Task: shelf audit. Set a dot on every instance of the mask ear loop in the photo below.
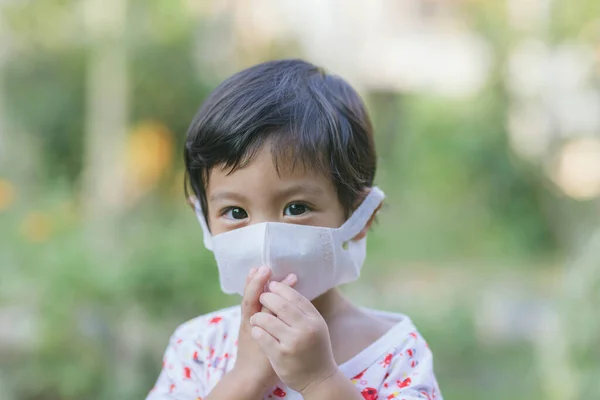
(361, 216)
(203, 224)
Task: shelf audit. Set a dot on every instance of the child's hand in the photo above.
(296, 338)
(251, 364)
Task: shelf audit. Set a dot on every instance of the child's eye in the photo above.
(295, 209)
(235, 213)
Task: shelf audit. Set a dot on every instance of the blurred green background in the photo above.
(487, 117)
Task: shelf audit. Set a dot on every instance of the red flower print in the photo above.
(410, 353)
(187, 373)
(404, 383)
(196, 358)
(370, 393)
(414, 363)
(386, 361)
(179, 341)
(385, 384)
(279, 392)
(215, 320)
(391, 396)
(171, 388)
(426, 395)
(413, 334)
(359, 375)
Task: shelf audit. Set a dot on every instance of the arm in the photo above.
(182, 377)
(338, 386)
(233, 386)
(296, 340)
(178, 379)
(237, 386)
(252, 374)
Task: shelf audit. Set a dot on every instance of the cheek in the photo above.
(216, 226)
(336, 217)
(341, 219)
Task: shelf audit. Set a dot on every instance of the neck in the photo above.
(331, 303)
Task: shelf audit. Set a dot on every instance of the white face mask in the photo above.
(321, 258)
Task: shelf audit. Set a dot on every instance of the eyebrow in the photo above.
(288, 192)
(227, 196)
(302, 188)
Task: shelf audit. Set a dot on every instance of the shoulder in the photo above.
(222, 324)
(402, 338)
(406, 364)
(398, 327)
(199, 352)
(405, 337)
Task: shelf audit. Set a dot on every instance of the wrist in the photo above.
(330, 383)
(250, 382)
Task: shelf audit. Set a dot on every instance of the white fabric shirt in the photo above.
(398, 365)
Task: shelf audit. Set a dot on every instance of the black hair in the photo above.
(309, 116)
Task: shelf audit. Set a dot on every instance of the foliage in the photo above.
(459, 203)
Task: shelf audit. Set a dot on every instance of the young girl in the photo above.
(281, 161)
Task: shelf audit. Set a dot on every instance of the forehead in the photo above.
(266, 170)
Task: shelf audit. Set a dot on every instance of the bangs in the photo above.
(288, 151)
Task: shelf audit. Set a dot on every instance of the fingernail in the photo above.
(252, 272)
(289, 279)
(262, 271)
(271, 284)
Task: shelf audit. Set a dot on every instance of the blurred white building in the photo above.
(402, 45)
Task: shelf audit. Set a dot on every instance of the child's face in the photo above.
(257, 193)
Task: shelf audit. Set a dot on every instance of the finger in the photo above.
(250, 275)
(286, 311)
(293, 297)
(272, 325)
(267, 343)
(254, 288)
(289, 280)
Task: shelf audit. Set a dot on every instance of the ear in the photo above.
(191, 200)
(365, 230)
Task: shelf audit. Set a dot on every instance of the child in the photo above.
(281, 161)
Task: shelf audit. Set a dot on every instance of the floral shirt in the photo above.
(398, 365)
